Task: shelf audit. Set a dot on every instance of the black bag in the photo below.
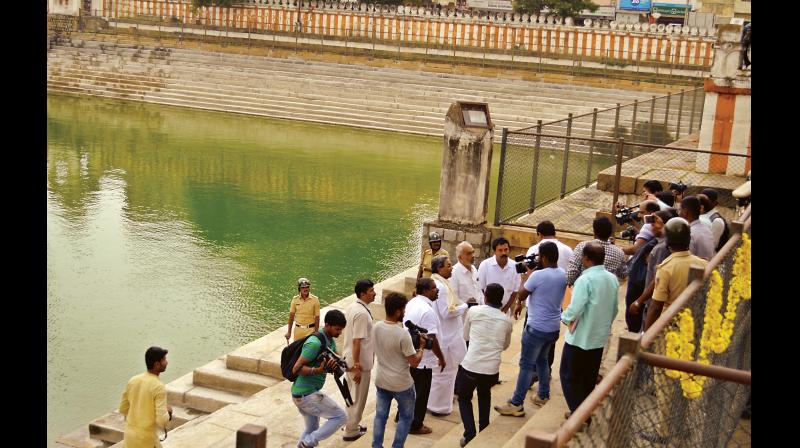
(292, 352)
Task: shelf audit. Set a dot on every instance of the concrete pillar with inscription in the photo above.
(464, 182)
(726, 122)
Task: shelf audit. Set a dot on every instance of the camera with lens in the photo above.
(680, 187)
(627, 214)
(414, 331)
(629, 233)
(525, 262)
(340, 365)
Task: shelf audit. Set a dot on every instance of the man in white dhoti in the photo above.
(451, 338)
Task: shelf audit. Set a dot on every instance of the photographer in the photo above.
(645, 234)
(395, 353)
(419, 311)
(306, 389)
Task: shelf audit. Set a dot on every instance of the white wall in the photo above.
(67, 7)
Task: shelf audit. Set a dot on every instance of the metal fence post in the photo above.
(652, 116)
(499, 197)
(591, 147)
(680, 112)
(566, 157)
(535, 174)
(633, 120)
(666, 114)
(618, 174)
(694, 108)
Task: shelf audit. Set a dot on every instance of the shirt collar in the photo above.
(424, 299)
(493, 261)
(683, 253)
(461, 268)
(596, 267)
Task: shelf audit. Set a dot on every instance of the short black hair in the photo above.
(394, 301)
(549, 250)
(667, 214)
(362, 286)
(651, 206)
(437, 263)
(494, 294)
(692, 204)
(153, 355)
(424, 284)
(498, 241)
(711, 193)
(546, 228)
(704, 202)
(653, 186)
(335, 318)
(595, 252)
(602, 228)
(666, 197)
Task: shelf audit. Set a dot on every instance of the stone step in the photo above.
(209, 400)
(80, 438)
(215, 375)
(111, 427)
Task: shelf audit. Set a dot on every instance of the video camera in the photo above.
(414, 331)
(525, 262)
(627, 214)
(339, 369)
(680, 187)
(629, 234)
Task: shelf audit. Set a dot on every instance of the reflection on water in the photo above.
(188, 229)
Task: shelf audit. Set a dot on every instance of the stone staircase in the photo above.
(370, 97)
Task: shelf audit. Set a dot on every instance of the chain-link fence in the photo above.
(686, 381)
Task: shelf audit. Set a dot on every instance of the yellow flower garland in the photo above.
(717, 328)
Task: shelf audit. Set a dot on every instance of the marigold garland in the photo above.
(717, 327)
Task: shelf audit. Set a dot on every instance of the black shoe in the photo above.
(355, 437)
(652, 437)
(463, 442)
(440, 414)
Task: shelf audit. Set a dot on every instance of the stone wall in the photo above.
(436, 27)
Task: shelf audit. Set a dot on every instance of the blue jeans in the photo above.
(532, 361)
(405, 410)
(314, 406)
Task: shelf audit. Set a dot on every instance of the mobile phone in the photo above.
(649, 219)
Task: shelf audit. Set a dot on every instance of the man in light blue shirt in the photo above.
(589, 316)
(546, 287)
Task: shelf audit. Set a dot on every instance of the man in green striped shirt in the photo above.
(589, 316)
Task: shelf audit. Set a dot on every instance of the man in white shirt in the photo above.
(489, 333)
(719, 227)
(449, 309)
(498, 269)
(419, 311)
(546, 232)
(464, 279)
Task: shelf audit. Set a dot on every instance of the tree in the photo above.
(563, 8)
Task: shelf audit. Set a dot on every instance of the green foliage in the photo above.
(563, 8)
(199, 3)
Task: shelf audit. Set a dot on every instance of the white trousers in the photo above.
(443, 383)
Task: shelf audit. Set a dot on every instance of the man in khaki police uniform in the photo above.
(435, 240)
(303, 312)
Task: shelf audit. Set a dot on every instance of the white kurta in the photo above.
(451, 341)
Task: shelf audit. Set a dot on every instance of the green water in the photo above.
(188, 229)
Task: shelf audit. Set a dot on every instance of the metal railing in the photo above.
(689, 396)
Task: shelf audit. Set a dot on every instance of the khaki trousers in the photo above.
(359, 394)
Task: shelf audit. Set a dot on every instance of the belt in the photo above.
(304, 325)
(301, 395)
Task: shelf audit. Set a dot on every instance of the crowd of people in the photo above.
(447, 339)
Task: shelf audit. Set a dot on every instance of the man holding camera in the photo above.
(489, 331)
(450, 310)
(645, 233)
(359, 354)
(497, 269)
(144, 403)
(420, 312)
(395, 354)
(544, 289)
(306, 389)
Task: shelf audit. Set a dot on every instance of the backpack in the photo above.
(291, 353)
(725, 232)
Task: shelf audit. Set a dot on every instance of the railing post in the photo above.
(694, 108)
(566, 157)
(680, 112)
(535, 175)
(652, 116)
(620, 148)
(251, 436)
(666, 114)
(591, 148)
(499, 197)
(633, 119)
(539, 439)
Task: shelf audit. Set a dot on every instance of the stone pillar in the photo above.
(726, 125)
(464, 184)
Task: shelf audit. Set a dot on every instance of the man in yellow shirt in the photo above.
(435, 241)
(303, 312)
(144, 403)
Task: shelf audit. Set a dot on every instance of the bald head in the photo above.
(465, 253)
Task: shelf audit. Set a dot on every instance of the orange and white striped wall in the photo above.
(566, 41)
(726, 128)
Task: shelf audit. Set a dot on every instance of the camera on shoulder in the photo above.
(414, 331)
(525, 262)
